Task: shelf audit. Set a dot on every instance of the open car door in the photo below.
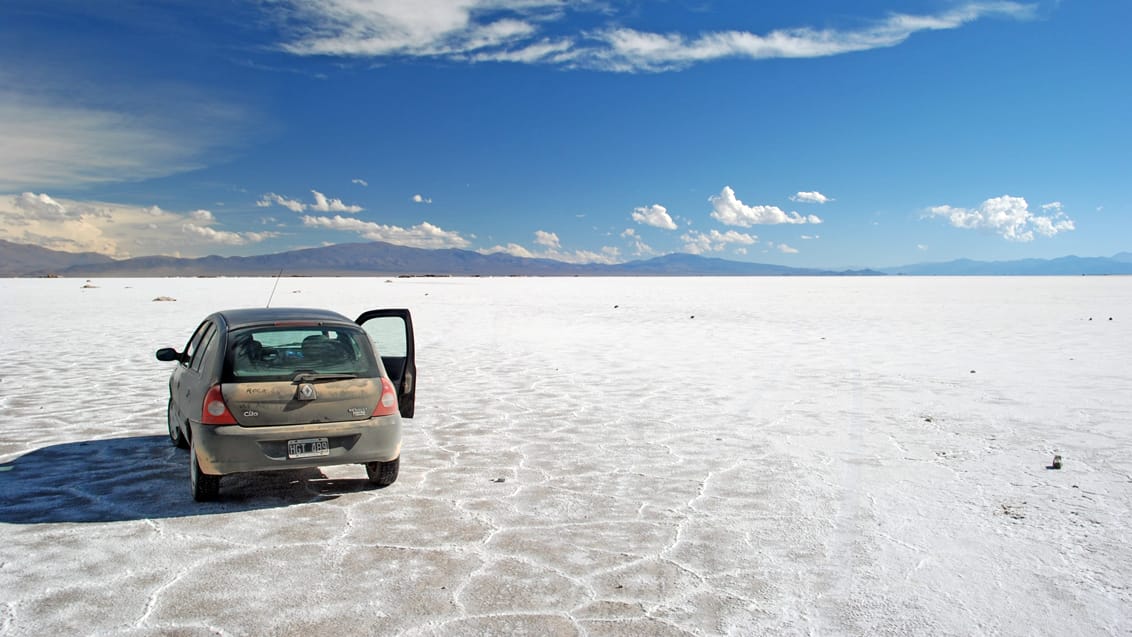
(392, 333)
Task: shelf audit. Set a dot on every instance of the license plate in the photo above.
(308, 448)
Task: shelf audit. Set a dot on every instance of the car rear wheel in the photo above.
(175, 435)
(383, 474)
(205, 487)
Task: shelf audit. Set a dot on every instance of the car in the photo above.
(264, 389)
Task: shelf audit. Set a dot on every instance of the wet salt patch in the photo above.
(775, 450)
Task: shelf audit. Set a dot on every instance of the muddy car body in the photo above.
(289, 388)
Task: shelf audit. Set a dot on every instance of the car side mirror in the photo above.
(168, 354)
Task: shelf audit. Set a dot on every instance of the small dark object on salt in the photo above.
(499, 480)
(1056, 463)
(692, 316)
(616, 306)
(972, 371)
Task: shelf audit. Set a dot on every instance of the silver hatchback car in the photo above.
(288, 388)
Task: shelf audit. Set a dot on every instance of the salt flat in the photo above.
(744, 456)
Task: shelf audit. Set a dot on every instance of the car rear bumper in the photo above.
(224, 449)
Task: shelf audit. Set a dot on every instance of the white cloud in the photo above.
(921, 247)
(715, 241)
(519, 31)
(655, 215)
(116, 230)
(42, 206)
(547, 239)
(290, 204)
(61, 136)
(732, 212)
(640, 248)
(1009, 217)
(422, 235)
(512, 249)
(360, 182)
(785, 249)
(321, 203)
(429, 28)
(225, 237)
(810, 197)
(631, 50)
(810, 237)
(421, 199)
(552, 249)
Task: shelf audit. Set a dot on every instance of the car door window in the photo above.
(391, 331)
(388, 335)
(207, 340)
(194, 343)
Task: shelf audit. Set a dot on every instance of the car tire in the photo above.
(206, 487)
(383, 474)
(175, 435)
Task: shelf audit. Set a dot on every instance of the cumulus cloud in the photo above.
(41, 206)
(421, 199)
(512, 249)
(812, 196)
(225, 237)
(1009, 217)
(422, 235)
(697, 242)
(361, 182)
(116, 230)
(640, 248)
(548, 239)
(785, 249)
(322, 203)
(655, 215)
(537, 32)
(729, 210)
(551, 248)
(290, 204)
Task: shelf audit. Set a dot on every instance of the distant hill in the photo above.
(1064, 266)
(385, 259)
(18, 259)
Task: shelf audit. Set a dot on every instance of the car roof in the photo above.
(259, 315)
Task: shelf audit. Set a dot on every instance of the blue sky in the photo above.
(810, 133)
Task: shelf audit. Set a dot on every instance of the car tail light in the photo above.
(215, 411)
(387, 404)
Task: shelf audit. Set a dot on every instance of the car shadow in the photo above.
(140, 478)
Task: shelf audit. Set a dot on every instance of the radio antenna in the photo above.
(274, 286)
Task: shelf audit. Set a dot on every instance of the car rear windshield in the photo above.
(284, 352)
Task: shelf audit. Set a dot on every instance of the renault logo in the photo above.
(306, 392)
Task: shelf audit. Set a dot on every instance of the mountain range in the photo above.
(385, 259)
